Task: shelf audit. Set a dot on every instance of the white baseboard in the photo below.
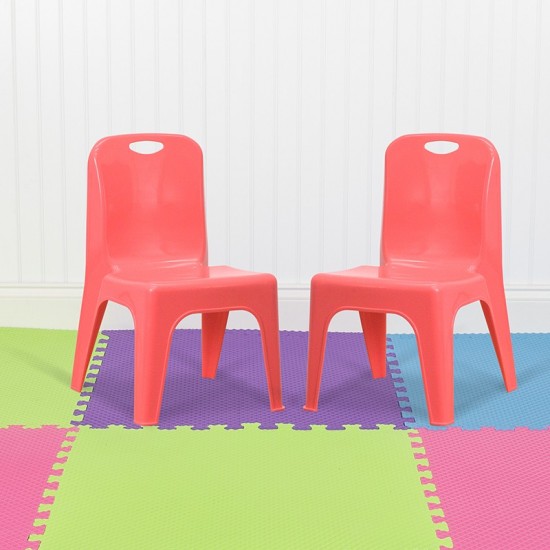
(57, 307)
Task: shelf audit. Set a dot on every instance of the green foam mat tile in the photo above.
(247, 488)
(35, 369)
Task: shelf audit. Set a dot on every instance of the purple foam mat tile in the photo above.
(238, 394)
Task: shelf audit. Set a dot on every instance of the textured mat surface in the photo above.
(27, 457)
(238, 394)
(350, 488)
(480, 397)
(246, 488)
(35, 367)
(493, 485)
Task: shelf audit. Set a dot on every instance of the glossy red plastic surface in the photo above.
(146, 249)
(440, 250)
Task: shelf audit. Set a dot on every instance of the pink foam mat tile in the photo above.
(493, 486)
(30, 465)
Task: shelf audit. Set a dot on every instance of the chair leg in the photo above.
(91, 315)
(268, 319)
(434, 335)
(213, 330)
(374, 333)
(319, 320)
(152, 348)
(496, 316)
(272, 360)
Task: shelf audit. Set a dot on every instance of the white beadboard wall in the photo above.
(293, 103)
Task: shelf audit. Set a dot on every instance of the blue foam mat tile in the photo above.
(480, 397)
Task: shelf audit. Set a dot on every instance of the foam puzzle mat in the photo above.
(221, 471)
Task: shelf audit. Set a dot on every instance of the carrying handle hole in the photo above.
(441, 147)
(146, 147)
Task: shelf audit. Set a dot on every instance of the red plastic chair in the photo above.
(440, 250)
(146, 249)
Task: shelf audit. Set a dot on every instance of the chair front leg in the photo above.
(434, 334)
(496, 316)
(153, 334)
(91, 315)
(319, 319)
(266, 312)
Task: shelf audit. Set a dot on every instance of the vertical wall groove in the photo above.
(109, 69)
(63, 142)
(133, 65)
(86, 71)
(370, 129)
(275, 134)
(466, 77)
(180, 68)
(442, 53)
(534, 145)
(418, 83)
(345, 176)
(204, 89)
(394, 68)
(252, 130)
(204, 84)
(228, 128)
(40, 129)
(508, 256)
(322, 143)
(16, 143)
(299, 135)
(490, 59)
(157, 64)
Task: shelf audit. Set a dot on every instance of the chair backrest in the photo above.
(145, 207)
(442, 207)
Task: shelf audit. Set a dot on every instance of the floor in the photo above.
(221, 471)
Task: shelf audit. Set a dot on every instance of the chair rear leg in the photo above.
(91, 315)
(374, 333)
(213, 330)
(434, 335)
(152, 348)
(496, 316)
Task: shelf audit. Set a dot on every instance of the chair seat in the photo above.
(183, 274)
(394, 276)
